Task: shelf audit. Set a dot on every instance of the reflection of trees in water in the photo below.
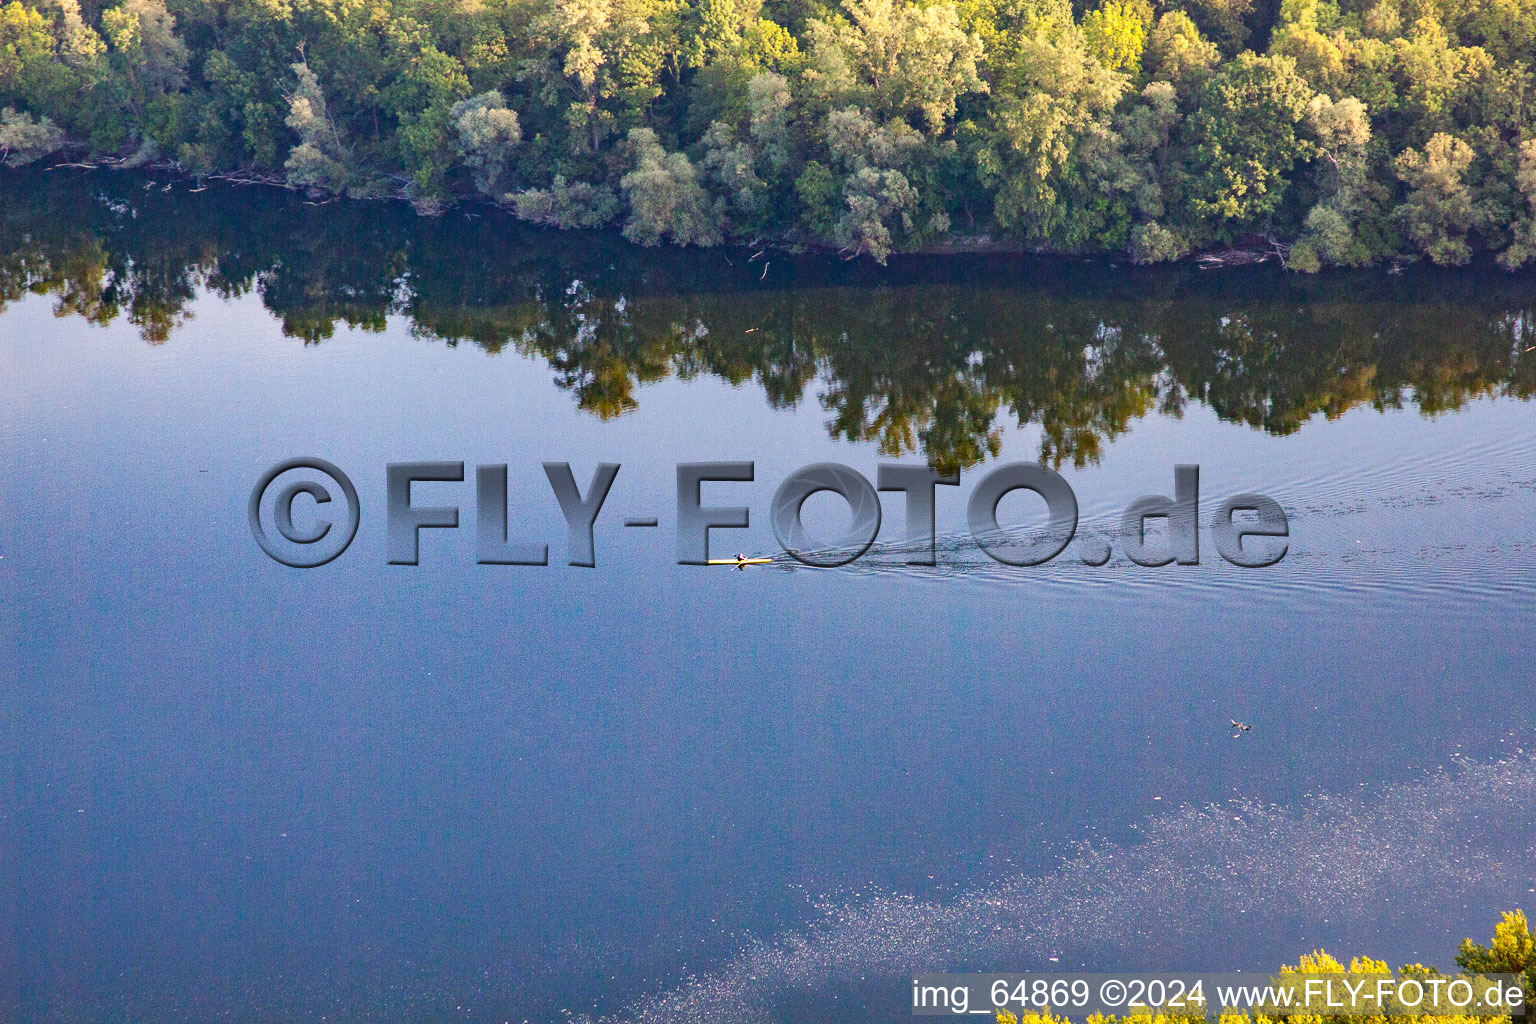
(936, 357)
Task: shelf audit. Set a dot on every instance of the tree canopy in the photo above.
(1337, 132)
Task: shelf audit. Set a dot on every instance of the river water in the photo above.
(643, 791)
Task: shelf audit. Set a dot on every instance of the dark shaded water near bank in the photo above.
(232, 790)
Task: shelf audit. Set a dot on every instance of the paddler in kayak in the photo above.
(740, 562)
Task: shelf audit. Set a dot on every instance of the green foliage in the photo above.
(1153, 243)
(145, 52)
(732, 168)
(1175, 52)
(422, 98)
(816, 196)
(46, 63)
(666, 197)
(575, 204)
(25, 139)
(487, 133)
(896, 59)
(1116, 33)
(1513, 951)
(1225, 21)
(1138, 165)
(1523, 248)
(768, 110)
(238, 121)
(877, 201)
(1243, 141)
(1352, 130)
(1037, 145)
(1341, 133)
(595, 66)
(1438, 81)
(1438, 212)
(321, 159)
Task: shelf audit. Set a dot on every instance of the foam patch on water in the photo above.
(1430, 841)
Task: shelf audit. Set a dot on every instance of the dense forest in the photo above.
(1332, 132)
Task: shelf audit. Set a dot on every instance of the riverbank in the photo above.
(1250, 252)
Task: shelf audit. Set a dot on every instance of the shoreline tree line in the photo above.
(1336, 132)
